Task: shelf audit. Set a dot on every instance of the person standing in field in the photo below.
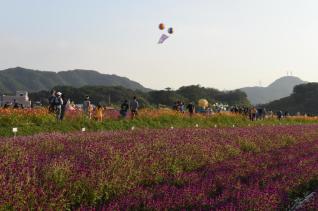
(58, 102)
(124, 107)
(99, 113)
(181, 107)
(134, 105)
(51, 101)
(87, 107)
(191, 108)
(175, 106)
(253, 114)
(63, 106)
(279, 115)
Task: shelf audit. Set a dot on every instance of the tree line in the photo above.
(115, 95)
(303, 100)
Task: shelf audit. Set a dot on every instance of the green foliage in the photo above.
(115, 95)
(98, 94)
(196, 92)
(165, 97)
(58, 174)
(82, 193)
(26, 79)
(248, 146)
(288, 140)
(37, 124)
(6, 207)
(304, 99)
(231, 151)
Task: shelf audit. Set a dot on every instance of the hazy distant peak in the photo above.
(287, 80)
(280, 88)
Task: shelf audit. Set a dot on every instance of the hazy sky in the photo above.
(224, 44)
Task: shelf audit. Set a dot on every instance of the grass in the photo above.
(41, 122)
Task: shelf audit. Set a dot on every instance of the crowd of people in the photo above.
(253, 113)
(58, 105)
(180, 107)
(257, 113)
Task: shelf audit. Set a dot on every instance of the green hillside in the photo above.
(304, 99)
(33, 80)
(116, 94)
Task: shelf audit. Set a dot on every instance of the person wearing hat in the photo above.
(87, 107)
(58, 105)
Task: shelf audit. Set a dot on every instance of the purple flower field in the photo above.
(256, 168)
(250, 182)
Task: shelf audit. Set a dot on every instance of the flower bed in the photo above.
(89, 170)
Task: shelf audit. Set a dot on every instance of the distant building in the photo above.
(21, 97)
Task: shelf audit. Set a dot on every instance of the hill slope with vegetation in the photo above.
(115, 95)
(304, 99)
(19, 78)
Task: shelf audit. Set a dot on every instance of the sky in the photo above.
(224, 44)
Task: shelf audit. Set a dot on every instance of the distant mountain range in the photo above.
(34, 80)
(280, 88)
(19, 78)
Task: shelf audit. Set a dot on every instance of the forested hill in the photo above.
(304, 99)
(115, 95)
(18, 78)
